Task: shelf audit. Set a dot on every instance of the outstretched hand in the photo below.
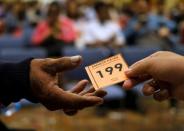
(45, 87)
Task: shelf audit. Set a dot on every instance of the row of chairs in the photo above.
(90, 56)
(131, 54)
(9, 41)
(19, 54)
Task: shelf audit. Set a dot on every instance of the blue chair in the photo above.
(28, 32)
(19, 54)
(133, 54)
(90, 56)
(179, 49)
(114, 93)
(7, 41)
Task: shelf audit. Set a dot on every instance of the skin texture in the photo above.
(165, 72)
(45, 74)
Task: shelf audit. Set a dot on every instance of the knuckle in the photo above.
(37, 62)
(145, 90)
(48, 61)
(63, 62)
(158, 53)
(158, 97)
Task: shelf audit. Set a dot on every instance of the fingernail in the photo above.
(151, 90)
(128, 70)
(127, 84)
(75, 59)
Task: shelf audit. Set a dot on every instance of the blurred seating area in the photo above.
(82, 25)
(94, 29)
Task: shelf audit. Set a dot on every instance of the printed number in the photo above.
(100, 73)
(110, 69)
(118, 66)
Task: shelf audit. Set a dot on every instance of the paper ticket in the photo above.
(107, 72)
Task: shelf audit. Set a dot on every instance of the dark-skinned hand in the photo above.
(45, 86)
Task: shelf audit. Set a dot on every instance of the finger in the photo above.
(148, 90)
(70, 112)
(139, 68)
(130, 83)
(150, 87)
(161, 95)
(54, 66)
(90, 90)
(99, 93)
(79, 87)
(56, 98)
(80, 102)
(156, 88)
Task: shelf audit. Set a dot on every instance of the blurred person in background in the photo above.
(15, 18)
(2, 9)
(177, 12)
(182, 32)
(87, 14)
(54, 32)
(103, 32)
(158, 15)
(72, 10)
(147, 28)
(134, 20)
(33, 13)
(2, 27)
(87, 9)
(127, 22)
(159, 38)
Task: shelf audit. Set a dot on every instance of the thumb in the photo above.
(140, 68)
(54, 66)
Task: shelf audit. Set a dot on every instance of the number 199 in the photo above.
(110, 69)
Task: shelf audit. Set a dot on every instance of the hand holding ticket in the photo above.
(107, 72)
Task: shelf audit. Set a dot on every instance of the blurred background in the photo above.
(94, 29)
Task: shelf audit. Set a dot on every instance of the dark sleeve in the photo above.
(14, 82)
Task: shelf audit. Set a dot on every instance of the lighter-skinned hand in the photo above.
(165, 72)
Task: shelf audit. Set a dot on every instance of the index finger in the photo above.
(130, 83)
(140, 68)
(138, 72)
